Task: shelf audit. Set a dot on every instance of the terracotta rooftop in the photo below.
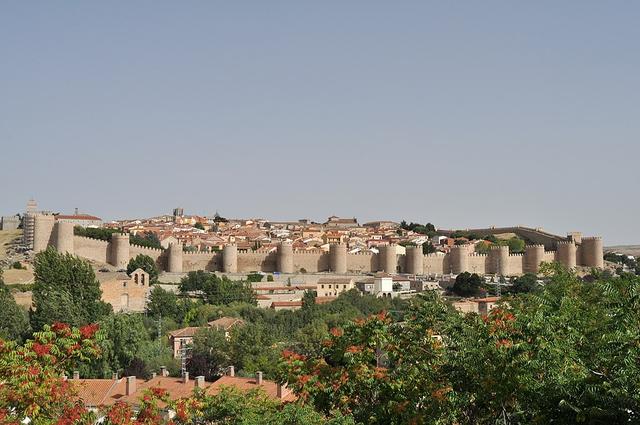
(78, 217)
(184, 332)
(247, 384)
(286, 304)
(96, 392)
(335, 280)
(325, 300)
(486, 300)
(226, 323)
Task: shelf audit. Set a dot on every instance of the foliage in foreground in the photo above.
(566, 354)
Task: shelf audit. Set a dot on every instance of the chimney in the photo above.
(185, 377)
(76, 211)
(259, 378)
(131, 385)
(76, 375)
(164, 371)
(232, 371)
(280, 390)
(114, 376)
(199, 381)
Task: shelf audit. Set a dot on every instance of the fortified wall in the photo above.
(572, 251)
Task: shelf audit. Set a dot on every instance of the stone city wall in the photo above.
(119, 251)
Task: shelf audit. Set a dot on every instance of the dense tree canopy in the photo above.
(566, 354)
(65, 290)
(14, 322)
(467, 285)
(217, 290)
(145, 263)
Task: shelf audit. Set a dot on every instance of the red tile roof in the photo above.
(247, 384)
(78, 217)
(286, 304)
(184, 332)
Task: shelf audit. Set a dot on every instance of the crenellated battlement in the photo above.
(147, 248)
(565, 243)
(367, 253)
(91, 240)
(200, 253)
(588, 252)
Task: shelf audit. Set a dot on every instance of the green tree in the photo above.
(253, 348)
(428, 248)
(146, 239)
(145, 263)
(516, 245)
(163, 303)
(199, 226)
(217, 290)
(254, 277)
(467, 285)
(13, 319)
(120, 339)
(210, 355)
(65, 290)
(528, 282)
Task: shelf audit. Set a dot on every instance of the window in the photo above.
(344, 286)
(329, 286)
(322, 286)
(135, 278)
(142, 279)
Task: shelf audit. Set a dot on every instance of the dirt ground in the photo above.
(624, 249)
(23, 277)
(6, 237)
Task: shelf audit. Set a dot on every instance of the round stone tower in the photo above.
(42, 229)
(64, 237)
(459, 259)
(566, 254)
(174, 261)
(592, 252)
(533, 256)
(338, 258)
(230, 258)
(120, 250)
(285, 257)
(415, 260)
(499, 260)
(388, 258)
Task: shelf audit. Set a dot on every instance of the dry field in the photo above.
(624, 249)
(6, 237)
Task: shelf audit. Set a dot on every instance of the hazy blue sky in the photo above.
(459, 113)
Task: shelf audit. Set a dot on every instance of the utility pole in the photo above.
(499, 283)
(184, 355)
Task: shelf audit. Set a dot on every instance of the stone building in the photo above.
(83, 220)
(333, 286)
(127, 294)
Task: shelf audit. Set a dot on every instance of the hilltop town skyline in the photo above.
(364, 218)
